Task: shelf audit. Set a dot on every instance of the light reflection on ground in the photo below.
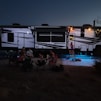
(78, 60)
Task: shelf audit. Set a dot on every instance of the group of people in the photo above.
(23, 54)
(49, 59)
(26, 58)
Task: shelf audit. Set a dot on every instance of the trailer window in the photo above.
(43, 36)
(10, 37)
(58, 37)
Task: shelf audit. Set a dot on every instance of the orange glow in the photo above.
(70, 28)
(89, 29)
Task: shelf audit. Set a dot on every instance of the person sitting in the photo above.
(29, 53)
(41, 61)
(22, 55)
(53, 58)
(48, 58)
(12, 56)
(27, 64)
(54, 64)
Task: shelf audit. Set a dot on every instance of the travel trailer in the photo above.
(37, 37)
(84, 38)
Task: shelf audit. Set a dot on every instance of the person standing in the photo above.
(71, 51)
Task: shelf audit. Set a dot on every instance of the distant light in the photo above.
(89, 29)
(70, 29)
(98, 31)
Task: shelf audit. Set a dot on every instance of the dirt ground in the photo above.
(72, 84)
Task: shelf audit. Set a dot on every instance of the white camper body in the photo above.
(47, 37)
(50, 37)
(37, 37)
(86, 43)
(17, 38)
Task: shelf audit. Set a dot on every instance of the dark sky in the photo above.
(53, 12)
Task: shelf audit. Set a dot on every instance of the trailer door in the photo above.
(21, 40)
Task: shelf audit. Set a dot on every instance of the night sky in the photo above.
(52, 12)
